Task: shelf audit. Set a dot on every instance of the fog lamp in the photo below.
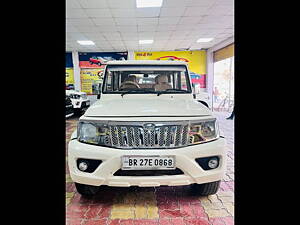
(213, 163)
(83, 166)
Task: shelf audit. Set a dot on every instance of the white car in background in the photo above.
(79, 100)
(147, 130)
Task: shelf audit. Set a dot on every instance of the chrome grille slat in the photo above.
(120, 136)
(136, 137)
(146, 137)
(184, 134)
(169, 135)
(156, 137)
(130, 136)
(114, 138)
(161, 137)
(178, 135)
(173, 133)
(152, 138)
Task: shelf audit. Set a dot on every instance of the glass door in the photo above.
(223, 90)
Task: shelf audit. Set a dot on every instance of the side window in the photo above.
(183, 81)
(116, 76)
(171, 80)
(108, 81)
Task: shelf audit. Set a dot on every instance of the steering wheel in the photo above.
(130, 83)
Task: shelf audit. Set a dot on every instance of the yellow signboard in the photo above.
(196, 59)
(69, 76)
(90, 77)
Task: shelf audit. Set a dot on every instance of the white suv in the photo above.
(147, 130)
(79, 100)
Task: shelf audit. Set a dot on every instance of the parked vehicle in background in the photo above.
(79, 100)
(101, 60)
(147, 133)
(69, 107)
(95, 60)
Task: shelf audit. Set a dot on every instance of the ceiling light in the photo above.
(142, 42)
(204, 39)
(148, 3)
(86, 42)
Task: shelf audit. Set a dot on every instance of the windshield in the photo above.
(146, 79)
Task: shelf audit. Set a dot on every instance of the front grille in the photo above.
(148, 172)
(149, 135)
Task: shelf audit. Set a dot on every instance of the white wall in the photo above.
(210, 64)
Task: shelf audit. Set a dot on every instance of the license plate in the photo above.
(148, 162)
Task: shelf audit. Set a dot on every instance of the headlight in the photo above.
(93, 133)
(203, 131)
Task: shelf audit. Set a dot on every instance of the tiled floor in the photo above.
(160, 205)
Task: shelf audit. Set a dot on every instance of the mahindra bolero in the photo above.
(147, 130)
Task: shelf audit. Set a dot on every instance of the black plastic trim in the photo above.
(121, 172)
(203, 162)
(92, 164)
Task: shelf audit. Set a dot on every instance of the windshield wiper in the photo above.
(167, 91)
(143, 91)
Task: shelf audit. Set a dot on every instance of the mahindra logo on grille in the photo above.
(149, 126)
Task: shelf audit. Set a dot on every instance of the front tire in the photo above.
(207, 188)
(86, 190)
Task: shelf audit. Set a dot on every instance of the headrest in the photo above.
(131, 78)
(161, 79)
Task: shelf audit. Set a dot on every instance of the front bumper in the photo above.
(82, 105)
(185, 161)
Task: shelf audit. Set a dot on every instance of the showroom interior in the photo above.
(101, 34)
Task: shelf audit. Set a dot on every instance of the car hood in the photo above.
(124, 107)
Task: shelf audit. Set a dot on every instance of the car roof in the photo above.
(145, 62)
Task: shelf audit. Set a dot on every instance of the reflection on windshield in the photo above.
(150, 79)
